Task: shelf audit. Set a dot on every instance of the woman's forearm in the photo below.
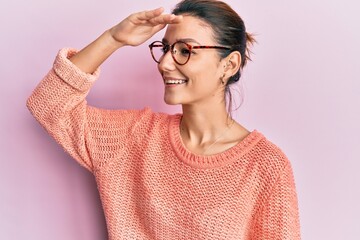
(93, 55)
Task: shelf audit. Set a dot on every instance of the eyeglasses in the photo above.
(180, 51)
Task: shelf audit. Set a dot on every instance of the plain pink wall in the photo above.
(302, 91)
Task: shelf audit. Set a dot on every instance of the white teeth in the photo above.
(175, 81)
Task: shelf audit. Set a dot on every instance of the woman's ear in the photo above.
(232, 63)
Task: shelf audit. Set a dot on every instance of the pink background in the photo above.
(302, 90)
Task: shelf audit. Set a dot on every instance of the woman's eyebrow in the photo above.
(186, 40)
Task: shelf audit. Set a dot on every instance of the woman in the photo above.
(195, 175)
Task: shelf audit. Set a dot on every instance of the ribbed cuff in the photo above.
(70, 73)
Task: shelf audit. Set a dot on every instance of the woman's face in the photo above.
(201, 74)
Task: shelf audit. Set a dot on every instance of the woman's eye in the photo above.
(165, 49)
(185, 51)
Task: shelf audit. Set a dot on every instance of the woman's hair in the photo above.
(229, 29)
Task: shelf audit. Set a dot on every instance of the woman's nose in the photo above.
(167, 62)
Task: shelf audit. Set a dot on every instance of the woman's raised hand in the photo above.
(139, 27)
(133, 30)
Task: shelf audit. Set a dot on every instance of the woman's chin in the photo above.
(172, 101)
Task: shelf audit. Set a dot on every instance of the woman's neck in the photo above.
(202, 125)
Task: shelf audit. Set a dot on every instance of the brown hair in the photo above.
(228, 27)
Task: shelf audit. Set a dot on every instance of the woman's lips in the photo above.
(174, 81)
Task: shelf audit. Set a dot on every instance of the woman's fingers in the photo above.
(175, 18)
(139, 27)
(156, 17)
(147, 15)
(166, 19)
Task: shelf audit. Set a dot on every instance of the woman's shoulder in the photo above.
(269, 156)
(133, 119)
(137, 114)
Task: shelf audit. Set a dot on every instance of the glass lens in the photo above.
(158, 50)
(181, 52)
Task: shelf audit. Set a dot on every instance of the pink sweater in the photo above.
(151, 186)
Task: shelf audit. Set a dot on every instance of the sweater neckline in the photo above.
(209, 161)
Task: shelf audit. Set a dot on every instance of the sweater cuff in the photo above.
(70, 73)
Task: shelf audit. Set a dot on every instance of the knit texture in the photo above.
(151, 186)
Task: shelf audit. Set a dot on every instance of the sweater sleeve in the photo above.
(278, 219)
(94, 137)
(59, 104)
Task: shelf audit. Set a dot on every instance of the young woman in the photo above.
(195, 175)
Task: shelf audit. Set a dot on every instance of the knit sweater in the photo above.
(150, 185)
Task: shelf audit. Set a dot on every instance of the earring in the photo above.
(222, 79)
